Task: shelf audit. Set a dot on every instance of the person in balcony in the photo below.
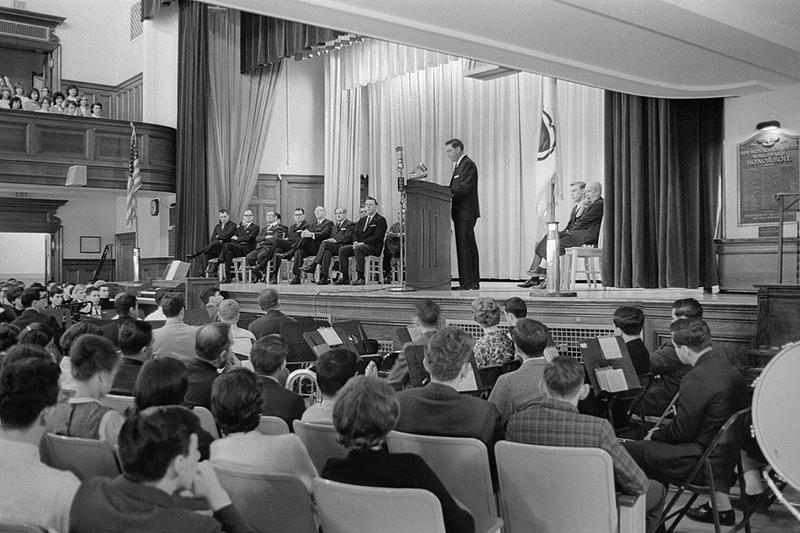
(34, 103)
(72, 93)
(83, 106)
(5, 97)
(97, 110)
(58, 103)
(72, 108)
(16, 103)
(19, 92)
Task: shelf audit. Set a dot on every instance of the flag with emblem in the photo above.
(134, 181)
(547, 167)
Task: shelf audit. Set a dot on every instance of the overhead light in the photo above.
(768, 125)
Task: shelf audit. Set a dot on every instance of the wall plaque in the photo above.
(768, 164)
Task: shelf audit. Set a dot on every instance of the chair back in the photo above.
(292, 333)
(119, 402)
(320, 441)
(547, 489)
(270, 503)
(207, 420)
(461, 463)
(86, 458)
(10, 526)
(347, 508)
(273, 425)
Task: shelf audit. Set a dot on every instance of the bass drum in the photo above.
(776, 413)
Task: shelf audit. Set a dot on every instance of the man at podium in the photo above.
(465, 212)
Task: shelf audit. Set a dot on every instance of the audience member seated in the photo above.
(8, 338)
(391, 247)
(514, 389)
(514, 309)
(365, 412)
(211, 298)
(286, 246)
(93, 309)
(212, 349)
(55, 298)
(175, 338)
(553, 420)
(59, 100)
(236, 404)
(40, 335)
(65, 343)
(125, 306)
(342, 234)
(16, 103)
(158, 314)
(14, 297)
(5, 97)
(30, 491)
(243, 241)
(159, 456)
(370, 232)
(71, 108)
(96, 110)
(266, 238)
(310, 240)
(105, 295)
(628, 324)
(268, 357)
(83, 106)
(44, 105)
(495, 347)
(709, 394)
(271, 322)
(333, 369)
(426, 319)
(221, 234)
(136, 346)
(243, 339)
(34, 301)
(438, 408)
(33, 103)
(164, 382)
(665, 365)
(72, 93)
(94, 364)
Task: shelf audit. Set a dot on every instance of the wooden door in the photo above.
(123, 254)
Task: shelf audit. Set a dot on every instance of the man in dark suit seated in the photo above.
(370, 231)
(438, 408)
(125, 306)
(135, 342)
(583, 227)
(159, 456)
(391, 248)
(264, 240)
(342, 234)
(221, 234)
(269, 362)
(280, 246)
(709, 394)
(242, 243)
(213, 348)
(309, 242)
(273, 317)
(426, 318)
(34, 301)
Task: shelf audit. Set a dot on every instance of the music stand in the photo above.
(608, 352)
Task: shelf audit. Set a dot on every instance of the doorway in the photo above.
(30, 260)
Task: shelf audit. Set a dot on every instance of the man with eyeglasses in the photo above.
(343, 233)
(281, 246)
(242, 243)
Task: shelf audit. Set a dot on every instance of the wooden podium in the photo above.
(427, 236)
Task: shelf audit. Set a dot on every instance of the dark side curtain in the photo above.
(663, 169)
(190, 187)
(267, 39)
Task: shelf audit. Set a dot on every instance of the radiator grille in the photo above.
(27, 31)
(565, 337)
(136, 20)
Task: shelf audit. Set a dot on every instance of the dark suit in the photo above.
(126, 376)
(398, 470)
(669, 372)
(342, 234)
(30, 316)
(465, 213)
(264, 240)
(269, 323)
(307, 246)
(219, 236)
(370, 238)
(580, 230)
(243, 244)
(111, 330)
(391, 247)
(282, 246)
(709, 395)
(201, 377)
(401, 376)
(277, 400)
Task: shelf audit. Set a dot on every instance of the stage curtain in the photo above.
(663, 169)
(190, 186)
(265, 40)
(239, 110)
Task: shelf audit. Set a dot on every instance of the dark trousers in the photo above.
(270, 252)
(565, 240)
(231, 250)
(467, 252)
(324, 256)
(213, 250)
(360, 252)
(391, 248)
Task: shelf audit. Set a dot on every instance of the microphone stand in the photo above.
(401, 186)
(553, 259)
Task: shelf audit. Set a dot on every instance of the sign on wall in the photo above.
(768, 164)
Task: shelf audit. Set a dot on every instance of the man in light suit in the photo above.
(465, 212)
(370, 231)
(342, 234)
(175, 338)
(438, 408)
(583, 227)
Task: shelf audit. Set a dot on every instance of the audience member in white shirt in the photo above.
(333, 369)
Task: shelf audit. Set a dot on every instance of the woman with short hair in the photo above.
(495, 347)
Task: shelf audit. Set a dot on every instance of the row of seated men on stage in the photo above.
(238, 374)
(322, 239)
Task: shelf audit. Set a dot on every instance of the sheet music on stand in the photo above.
(608, 364)
(330, 337)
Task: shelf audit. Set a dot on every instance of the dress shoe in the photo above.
(324, 281)
(295, 280)
(273, 280)
(228, 279)
(257, 276)
(191, 256)
(758, 503)
(357, 281)
(309, 269)
(704, 513)
(342, 281)
(532, 282)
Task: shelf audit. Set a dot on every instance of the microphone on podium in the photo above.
(420, 172)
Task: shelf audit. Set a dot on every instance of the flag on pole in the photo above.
(547, 167)
(134, 181)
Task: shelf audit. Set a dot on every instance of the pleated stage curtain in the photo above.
(663, 170)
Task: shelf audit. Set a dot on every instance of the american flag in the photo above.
(134, 180)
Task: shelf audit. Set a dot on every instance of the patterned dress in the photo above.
(494, 348)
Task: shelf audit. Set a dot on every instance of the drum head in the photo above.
(776, 413)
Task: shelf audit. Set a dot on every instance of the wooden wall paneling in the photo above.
(80, 270)
(301, 191)
(744, 263)
(266, 197)
(120, 102)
